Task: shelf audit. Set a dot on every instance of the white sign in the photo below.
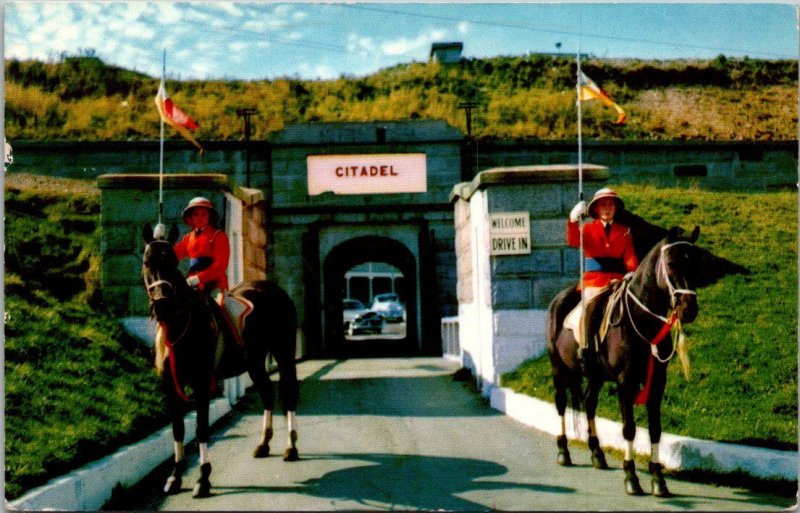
(509, 233)
(367, 174)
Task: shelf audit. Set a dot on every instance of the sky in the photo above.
(267, 40)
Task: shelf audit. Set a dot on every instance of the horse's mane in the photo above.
(647, 235)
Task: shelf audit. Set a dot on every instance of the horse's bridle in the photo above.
(674, 292)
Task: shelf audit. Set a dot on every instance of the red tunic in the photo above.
(210, 245)
(607, 258)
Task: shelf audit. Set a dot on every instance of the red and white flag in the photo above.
(175, 117)
(588, 90)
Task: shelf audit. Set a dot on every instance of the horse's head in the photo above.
(678, 261)
(159, 271)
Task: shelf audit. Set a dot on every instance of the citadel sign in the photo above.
(367, 174)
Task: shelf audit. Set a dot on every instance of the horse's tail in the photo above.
(683, 351)
(576, 397)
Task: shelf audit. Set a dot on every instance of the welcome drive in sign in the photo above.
(367, 174)
(509, 233)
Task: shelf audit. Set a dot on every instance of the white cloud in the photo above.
(139, 31)
(238, 46)
(463, 27)
(320, 71)
(228, 8)
(168, 14)
(405, 46)
(360, 45)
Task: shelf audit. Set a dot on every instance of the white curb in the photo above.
(89, 487)
(677, 452)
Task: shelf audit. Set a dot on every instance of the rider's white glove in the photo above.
(577, 211)
(628, 276)
(193, 281)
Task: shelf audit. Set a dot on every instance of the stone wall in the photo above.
(728, 165)
(503, 299)
(128, 202)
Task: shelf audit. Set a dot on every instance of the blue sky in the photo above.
(259, 40)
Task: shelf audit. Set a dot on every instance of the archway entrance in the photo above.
(365, 269)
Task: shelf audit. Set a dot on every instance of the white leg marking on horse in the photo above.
(205, 457)
(179, 452)
(654, 456)
(266, 426)
(629, 451)
(291, 420)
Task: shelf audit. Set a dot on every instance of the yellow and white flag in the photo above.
(588, 90)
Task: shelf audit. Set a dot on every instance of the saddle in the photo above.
(612, 296)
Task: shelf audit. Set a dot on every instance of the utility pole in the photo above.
(466, 168)
(246, 113)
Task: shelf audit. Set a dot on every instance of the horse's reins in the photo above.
(167, 342)
(661, 271)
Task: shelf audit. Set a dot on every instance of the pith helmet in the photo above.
(604, 193)
(201, 202)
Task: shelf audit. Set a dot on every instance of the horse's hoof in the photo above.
(173, 485)
(632, 487)
(658, 487)
(599, 460)
(202, 489)
(563, 458)
(262, 451)
(291, 454)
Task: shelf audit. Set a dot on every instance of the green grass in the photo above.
(743, 345)
(77, 387)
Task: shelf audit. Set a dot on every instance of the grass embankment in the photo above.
(743, 345)
(77, 387)
(531, 96)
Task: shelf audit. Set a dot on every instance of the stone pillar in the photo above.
(129, 201)
(503, 297)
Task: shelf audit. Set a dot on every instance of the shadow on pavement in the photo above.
(403, 481)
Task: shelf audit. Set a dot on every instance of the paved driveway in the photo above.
(380, 434)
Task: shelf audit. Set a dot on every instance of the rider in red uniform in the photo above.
(206, 246)
(608, 251)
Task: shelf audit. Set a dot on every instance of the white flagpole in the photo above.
(161, 146)
(580, 158)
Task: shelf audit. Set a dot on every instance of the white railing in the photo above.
(451, 347)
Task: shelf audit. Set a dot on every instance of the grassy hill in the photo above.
(81, 98)
(76, 386)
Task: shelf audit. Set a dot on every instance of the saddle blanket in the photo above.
(236, 311)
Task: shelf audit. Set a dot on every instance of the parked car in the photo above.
(358, 319)
(389, 306)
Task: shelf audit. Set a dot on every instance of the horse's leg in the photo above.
(266, 391)
(175, 407)
(592, 394)
(658, 485)
(632, 486)
(289, 389)
(561, 385)
(203, 486)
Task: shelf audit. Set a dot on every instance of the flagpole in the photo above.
(580, 159)
(161, 146)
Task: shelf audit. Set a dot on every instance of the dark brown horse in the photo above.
(634, 351)
(186, 351)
